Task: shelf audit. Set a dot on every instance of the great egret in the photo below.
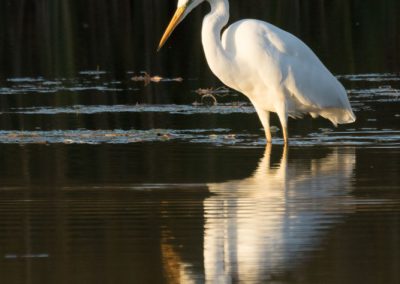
(273, 68)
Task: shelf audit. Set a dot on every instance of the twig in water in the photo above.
(147, 79)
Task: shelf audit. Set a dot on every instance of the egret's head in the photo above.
(184, 8)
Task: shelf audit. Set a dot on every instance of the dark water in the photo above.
(96, 190)
(105, 179)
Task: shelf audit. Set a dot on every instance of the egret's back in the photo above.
(276, 68)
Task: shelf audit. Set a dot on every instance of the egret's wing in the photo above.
(306, 81)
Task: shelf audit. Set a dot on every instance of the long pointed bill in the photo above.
(176, 19)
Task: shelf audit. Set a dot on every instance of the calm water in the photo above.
(105, 178)
(113, 191)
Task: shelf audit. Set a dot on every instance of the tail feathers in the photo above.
(338, 116)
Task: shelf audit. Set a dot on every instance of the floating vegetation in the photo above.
(94, 73)
(209, 95)
(209, 100)
(221, 91)
(31, 255)
(138, 108)
(371, 77)
(115, 136)
(147, 79)
(365, 136)
(25, 80)
(216, 136)
(369, 95)
(379, 94)
(41, 86)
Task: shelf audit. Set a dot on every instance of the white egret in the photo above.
(273, 68)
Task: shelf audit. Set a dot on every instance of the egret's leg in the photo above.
(268, 135)
(267, 128)
(264, 118)
(283, 117)
(285, 135)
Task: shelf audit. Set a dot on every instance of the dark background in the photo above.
(54, 38)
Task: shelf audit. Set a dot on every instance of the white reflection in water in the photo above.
(264, 224)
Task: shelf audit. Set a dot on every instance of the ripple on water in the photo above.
(367, 93)
(370, 77)
(88, 81)
(221, 136)
(138, 108)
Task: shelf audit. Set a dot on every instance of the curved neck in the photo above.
(217, 57)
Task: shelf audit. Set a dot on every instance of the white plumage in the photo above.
(273, 68)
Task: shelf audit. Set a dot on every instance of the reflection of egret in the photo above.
(258, 225)
(273, 68)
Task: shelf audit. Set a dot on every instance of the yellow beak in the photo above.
(176, 19)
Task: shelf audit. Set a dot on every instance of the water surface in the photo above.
(112, 190)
